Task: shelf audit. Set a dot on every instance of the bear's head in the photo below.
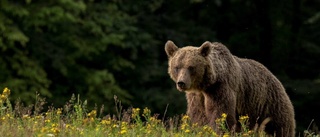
(190, 67)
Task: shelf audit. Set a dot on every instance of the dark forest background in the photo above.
(98, 49)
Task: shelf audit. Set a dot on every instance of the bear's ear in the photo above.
(170, 48)
(205, 48)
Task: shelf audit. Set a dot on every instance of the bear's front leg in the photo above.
(216, 105)
(196, 108)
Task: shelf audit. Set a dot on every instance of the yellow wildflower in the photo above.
(207, 128)
(224, 115)
(3, 97)
(8, 115)
(226, 135)
(88, 120)
(183, 126)
(59, 111)
(5, 94)
(194, 125)
(218, 120)
(38, 117)
(135, 112)
(214, 134)
(54, 125)
(123, 127)
(244, 117)
(6, 91)
(68, 126)
(185, 118)
(98, 128)
(245, 135)
(47, 121)
(106, 122)
(146, 112)
(55, 130)
(123, 131)
(93, 113)
(44, 129)
(124, 123)
(153, 119)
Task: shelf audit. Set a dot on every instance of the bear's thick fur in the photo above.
(216, 82)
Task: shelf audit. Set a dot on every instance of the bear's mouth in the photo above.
(181, 87)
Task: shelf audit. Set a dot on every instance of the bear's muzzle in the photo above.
(181, 86)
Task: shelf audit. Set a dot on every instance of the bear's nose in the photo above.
(181, 84)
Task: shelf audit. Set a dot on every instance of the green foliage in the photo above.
(74, 44)
(17, 68)
(76, 120)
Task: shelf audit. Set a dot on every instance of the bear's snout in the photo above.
(181, 85)
(184, 80)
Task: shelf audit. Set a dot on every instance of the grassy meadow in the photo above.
(75, 120)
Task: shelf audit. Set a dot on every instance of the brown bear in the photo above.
(216, 82)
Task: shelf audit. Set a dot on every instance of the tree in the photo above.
(63, 47)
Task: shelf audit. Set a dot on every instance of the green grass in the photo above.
(74, 120)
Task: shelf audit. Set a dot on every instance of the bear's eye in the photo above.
(176, 69)
(191, 68)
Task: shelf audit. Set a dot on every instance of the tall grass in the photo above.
(74, 120)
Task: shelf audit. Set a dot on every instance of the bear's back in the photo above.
(263, 90)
